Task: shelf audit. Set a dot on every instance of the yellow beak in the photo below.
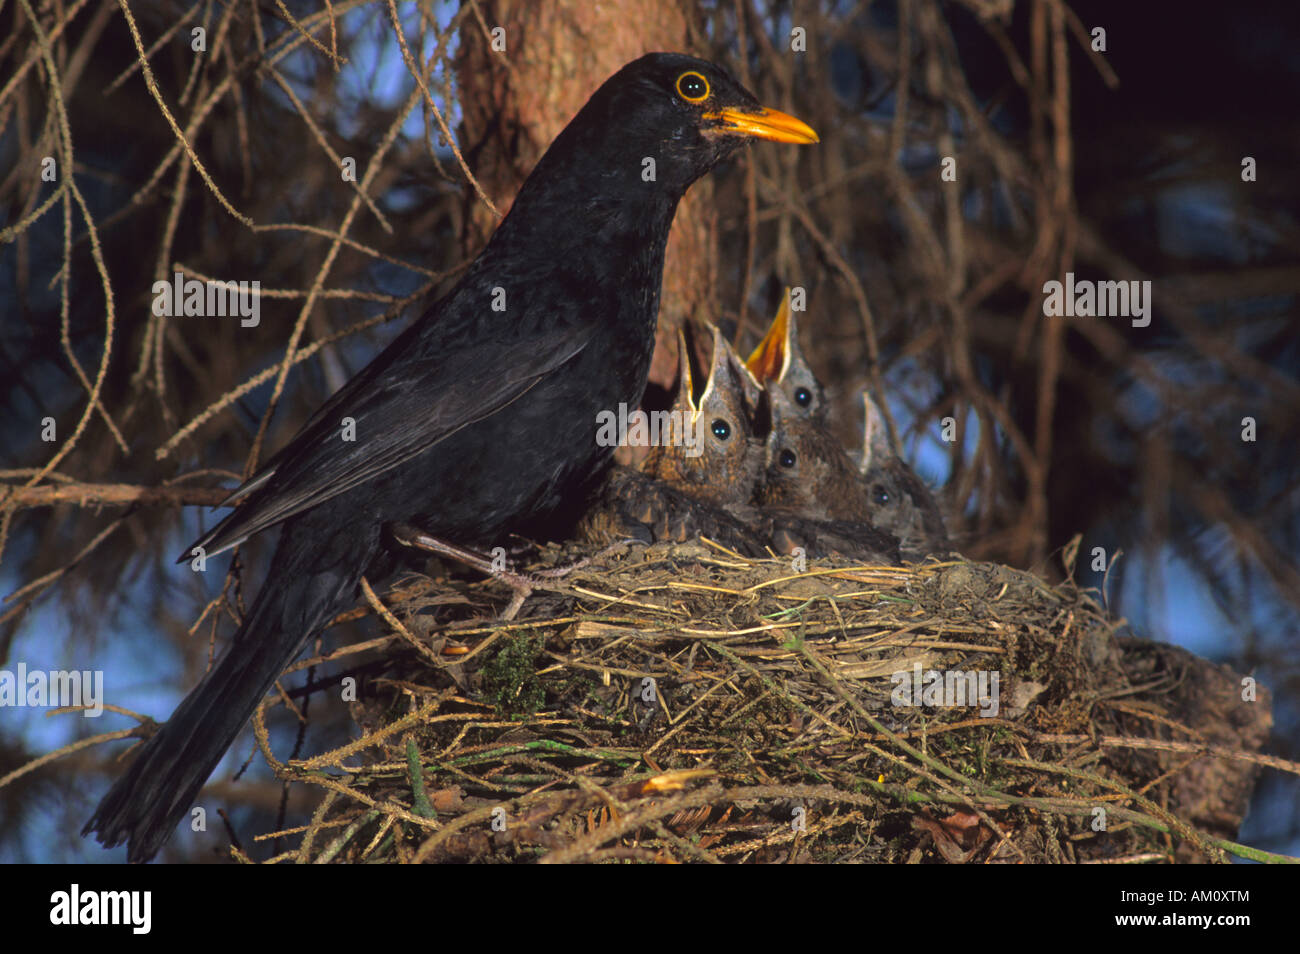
(768, 361)
(763, 123)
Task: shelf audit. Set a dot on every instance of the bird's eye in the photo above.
(693, 87)
(879, 494)
(787, 458)
(721, 429)
(802, 397)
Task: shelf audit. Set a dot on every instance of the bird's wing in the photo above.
(400, 409)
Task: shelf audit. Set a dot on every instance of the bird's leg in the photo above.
(409, 536)
(521, 584)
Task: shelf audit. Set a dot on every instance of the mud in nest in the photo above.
(681, 703)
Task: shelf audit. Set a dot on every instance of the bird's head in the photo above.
(784, 450)
(778, 361)
(806, 468)
(725, 463)
(666, 119)
(726, 411)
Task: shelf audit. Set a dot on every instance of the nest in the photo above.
(683, 703)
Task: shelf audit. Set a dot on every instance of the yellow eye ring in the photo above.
(693, 87)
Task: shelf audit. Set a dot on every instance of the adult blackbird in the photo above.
(480, 418)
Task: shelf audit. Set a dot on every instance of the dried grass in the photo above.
(769, 733)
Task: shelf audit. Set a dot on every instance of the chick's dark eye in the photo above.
(879, 494)
(802, 397)
(787, 458)
(721, 429)
(693, 87)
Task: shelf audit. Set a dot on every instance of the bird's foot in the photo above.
(521, 585)
(559, 572)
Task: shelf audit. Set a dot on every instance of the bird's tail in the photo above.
(301, 594)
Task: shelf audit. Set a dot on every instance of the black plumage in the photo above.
(475, 421)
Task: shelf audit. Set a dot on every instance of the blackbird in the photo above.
(899, 500)
(779, 360)
(701, 483)
(806, 468)
(724, 465)
(479, 419)
(815, 478)
(634, 506)
(811, 494)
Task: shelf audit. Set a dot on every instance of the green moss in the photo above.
(510, 679)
